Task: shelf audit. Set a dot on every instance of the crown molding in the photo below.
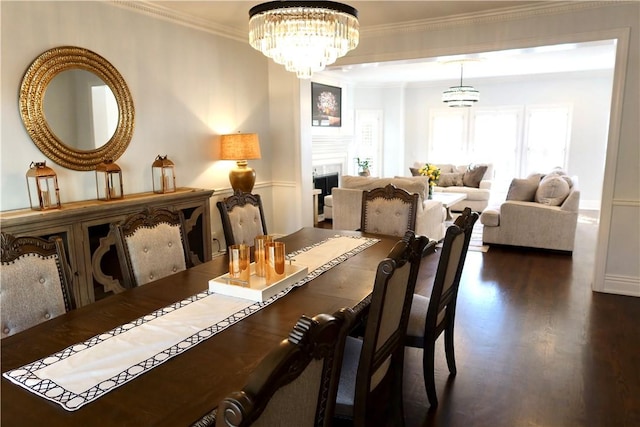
(493, 16)
(498, 15)
(160, 12)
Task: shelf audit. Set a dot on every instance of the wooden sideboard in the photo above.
(85, 228)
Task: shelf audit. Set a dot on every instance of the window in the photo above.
(448, 136)
(516, 140)
(547, 138)
(496, 139)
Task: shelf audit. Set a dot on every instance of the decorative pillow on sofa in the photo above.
(415, 171)
(523, 190)
(562, 174)
(447, 168)
(450, 180)
(552, 191)
(473, 176)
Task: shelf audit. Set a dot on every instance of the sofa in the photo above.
(540, 212)
(474, 180)
(346, 204)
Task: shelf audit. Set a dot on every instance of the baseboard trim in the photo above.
(622, 285)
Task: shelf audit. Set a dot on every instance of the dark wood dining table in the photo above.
(181, 390)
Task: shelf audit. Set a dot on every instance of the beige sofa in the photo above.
(346, 204)
(453, 177)
(545, 224)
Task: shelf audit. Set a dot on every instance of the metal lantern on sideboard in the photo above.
(42, 184)
(163, 173)
(109, 181)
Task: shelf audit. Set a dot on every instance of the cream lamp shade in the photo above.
(240, 147)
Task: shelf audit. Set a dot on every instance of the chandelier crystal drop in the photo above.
(304, 36)
(460, 96)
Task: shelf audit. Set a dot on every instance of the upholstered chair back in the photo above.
(388, 210)
(151, 244)
(242, 218)
(296, 383)
(430, 316)
(371, 376)
(35, 283)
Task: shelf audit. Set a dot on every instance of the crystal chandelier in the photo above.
(304, 36)
(460, 96)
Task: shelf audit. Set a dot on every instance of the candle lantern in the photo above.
(109, 181)
(164, 178)
(42, 184)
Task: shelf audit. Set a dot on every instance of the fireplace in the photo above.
(324, 183)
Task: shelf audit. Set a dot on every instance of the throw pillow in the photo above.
(415, 171)
(450, 180)
(473, 176)
(562, 174)
(446, 168)
(523, 190)
(552, 191)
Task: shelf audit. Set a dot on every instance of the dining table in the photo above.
(185, 387)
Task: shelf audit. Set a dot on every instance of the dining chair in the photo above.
(430, 316)
(370, 388)
(388, 210)
(151, 244)
(35, 282)
(242, 218)
(296, 383)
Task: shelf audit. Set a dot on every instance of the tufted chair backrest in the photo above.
(151, 245)
(35, 283)
(388, 210)
(242, 218)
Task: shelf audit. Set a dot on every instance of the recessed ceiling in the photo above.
(562, 58)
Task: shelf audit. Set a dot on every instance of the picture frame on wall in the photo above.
(326, 105)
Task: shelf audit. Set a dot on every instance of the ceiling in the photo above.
(232, 17)
(235, 14)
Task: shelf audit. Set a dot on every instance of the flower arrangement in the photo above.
(363, 165)
(432, 172)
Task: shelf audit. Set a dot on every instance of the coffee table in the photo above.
(448, 199)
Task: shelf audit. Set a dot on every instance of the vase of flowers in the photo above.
(363, 166)
(432, 172)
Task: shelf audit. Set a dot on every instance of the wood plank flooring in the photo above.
(534, 345)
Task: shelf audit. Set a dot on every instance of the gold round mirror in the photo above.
(76, 107)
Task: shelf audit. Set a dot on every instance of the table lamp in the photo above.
(240, 147)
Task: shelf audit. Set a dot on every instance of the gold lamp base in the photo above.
(242, 177)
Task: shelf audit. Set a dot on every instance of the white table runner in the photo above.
(85, 371)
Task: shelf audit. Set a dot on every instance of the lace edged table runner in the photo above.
(83, 372)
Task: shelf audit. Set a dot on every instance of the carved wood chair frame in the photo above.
(390, 192)
(238, 199)
(149, 217)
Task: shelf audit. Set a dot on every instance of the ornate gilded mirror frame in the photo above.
(32, 90)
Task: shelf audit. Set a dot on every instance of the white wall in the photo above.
(188, 86)
(616, 268)
(588, 94)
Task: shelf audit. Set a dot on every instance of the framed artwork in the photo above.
(326, 103)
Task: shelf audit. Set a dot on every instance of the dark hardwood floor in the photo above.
(535, 346)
